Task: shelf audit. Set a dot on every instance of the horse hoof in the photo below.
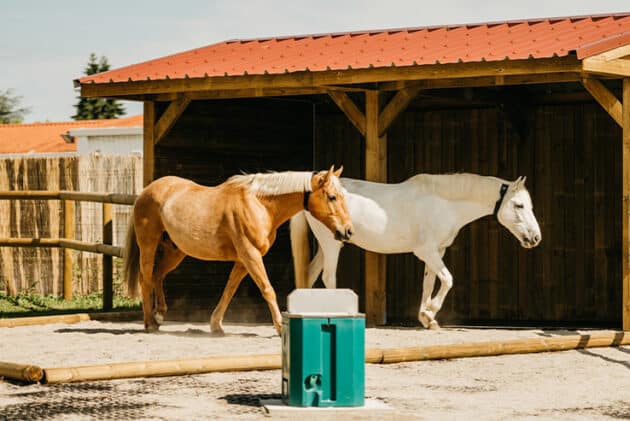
(151, 328)
(159, 318)
(426, 317)
(433, 325)
(217, 333)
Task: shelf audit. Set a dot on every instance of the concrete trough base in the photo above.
(373, 409)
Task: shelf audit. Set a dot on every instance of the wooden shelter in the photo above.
(544, 98)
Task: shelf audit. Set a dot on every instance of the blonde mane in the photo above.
(274, 183)
(459, 186)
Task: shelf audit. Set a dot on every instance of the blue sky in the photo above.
(44, 45)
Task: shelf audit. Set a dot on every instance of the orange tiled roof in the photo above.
(46, 137)
(511, 40)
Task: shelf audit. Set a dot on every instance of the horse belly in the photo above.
(202, 238)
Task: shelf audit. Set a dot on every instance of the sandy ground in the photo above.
(589, 384)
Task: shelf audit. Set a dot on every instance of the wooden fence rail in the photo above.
(68, 243)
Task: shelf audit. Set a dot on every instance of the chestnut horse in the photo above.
(234, 221)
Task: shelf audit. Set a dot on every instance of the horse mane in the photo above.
(274, 183)
(458, 186)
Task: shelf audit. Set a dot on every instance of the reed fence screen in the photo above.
(40, 270)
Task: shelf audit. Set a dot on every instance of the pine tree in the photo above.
(9, 111)
(97, 108)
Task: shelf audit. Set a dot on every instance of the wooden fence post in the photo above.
(68, 232)
(108, 279)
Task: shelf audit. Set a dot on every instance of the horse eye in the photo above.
(519, 206)
(332, 198)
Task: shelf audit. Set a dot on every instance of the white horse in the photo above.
(422, 215)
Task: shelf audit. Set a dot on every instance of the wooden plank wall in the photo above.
(571, 157)
(211, 142)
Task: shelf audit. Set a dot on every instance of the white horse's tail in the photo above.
(300, 249)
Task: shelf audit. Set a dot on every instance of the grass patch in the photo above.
(24, 305)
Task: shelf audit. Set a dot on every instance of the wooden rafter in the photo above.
(349, 108)
(606, 99)
(613, 54)
(396, 106)
(501, 69)
(616, 67)
(169, 117)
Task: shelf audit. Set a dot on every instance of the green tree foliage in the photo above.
(97, 108)
(9, 108)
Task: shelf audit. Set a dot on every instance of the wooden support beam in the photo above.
(472, 82)
(625, 247)
(617, 67)
(375, 170)
(606, 99)
(349, 108)
(613, 54)
(148, 154)
(395, 107)
(504, 68)
(169, 118)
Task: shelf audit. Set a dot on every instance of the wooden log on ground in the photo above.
(45, 320)
(162, 368)
(485, 349)
(118, 316)
(21, 372)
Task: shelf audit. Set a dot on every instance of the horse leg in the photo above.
(251, 258)
(236, 276)
(148, 239)
(170, 258)
(434, 265)
(425, 316)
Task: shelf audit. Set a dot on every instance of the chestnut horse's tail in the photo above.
(131, 260)
(300, 248)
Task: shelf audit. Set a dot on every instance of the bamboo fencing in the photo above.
(39, 209)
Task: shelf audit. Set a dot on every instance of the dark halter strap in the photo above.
(307, 194)
(502, 192)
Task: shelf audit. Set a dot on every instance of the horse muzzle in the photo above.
(532, 241)
(344, 235)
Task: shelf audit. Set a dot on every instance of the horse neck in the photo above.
(281, 207)
(473, 196)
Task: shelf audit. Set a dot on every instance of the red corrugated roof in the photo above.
(46, 137)
(513, 40)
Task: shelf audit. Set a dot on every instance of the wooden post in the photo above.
(625, 247)
(108, 279)
(68, 232)
(375, 170)
(148, 160)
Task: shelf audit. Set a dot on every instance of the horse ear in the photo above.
(338, 172)
(519, 183)
(323, 178)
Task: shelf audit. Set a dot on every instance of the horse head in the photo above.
(326, 203)
(516, 213)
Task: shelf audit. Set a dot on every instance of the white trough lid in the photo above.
(305, 301)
